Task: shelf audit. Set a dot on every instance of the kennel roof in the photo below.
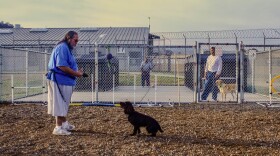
(87, 35)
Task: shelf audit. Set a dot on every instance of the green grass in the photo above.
(19, 81)
(126, 79)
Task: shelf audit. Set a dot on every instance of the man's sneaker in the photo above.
(67, 126)
(60, 131)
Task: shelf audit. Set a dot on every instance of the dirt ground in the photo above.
(196, 129)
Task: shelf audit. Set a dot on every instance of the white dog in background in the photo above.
(226, 88)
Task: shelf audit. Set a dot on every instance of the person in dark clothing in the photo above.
(146, 67)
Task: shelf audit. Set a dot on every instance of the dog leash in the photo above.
(54, 75)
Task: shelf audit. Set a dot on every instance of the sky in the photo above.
(161, 15)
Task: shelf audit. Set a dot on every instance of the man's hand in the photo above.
(217, 76)
(85, 75)
(80, 72)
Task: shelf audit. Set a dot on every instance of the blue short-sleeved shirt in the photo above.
(62, 56)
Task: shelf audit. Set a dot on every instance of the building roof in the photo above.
(87, 35)
(222, 34)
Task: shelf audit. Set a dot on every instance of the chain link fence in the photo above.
(22, 73)
(262, 69)
(119, 78)
(175, 77)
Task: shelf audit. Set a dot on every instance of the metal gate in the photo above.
(231, 75)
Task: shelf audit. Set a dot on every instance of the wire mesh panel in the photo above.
(147, 75)
(262, 68)
(13, 62)
(23, 73)
(219, 83)
(258, 74)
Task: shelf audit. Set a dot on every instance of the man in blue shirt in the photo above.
(62, 74)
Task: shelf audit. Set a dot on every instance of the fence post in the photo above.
(12, 84)
(270, 76)
(237, 74)
(198, 70)
(195, 73)
(113, 88)
(92, 85)
(175, 69)
(44, 76)
(46, 61)
(44, 88)
(134, 87)
(155, 89)
(96, 72)
(178, 78)
(26, 73)
(253, 75)
(240, 49)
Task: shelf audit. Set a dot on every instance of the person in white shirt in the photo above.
(213, 69)
(146, 67)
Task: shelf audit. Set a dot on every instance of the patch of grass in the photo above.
(127, 79)
(19, 81)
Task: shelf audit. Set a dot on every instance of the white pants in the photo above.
(56, 104)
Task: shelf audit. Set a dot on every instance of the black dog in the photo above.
(140, 120)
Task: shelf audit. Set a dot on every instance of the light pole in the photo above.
(185, 46)
(96, 65)
(149, 23)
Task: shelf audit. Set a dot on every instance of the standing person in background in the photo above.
(213, 69)
(62, 74)
(146, 67)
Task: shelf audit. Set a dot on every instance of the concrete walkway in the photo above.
(139, 94)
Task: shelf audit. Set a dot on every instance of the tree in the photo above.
(6, 25)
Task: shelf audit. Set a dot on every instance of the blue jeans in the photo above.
(210, 86)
